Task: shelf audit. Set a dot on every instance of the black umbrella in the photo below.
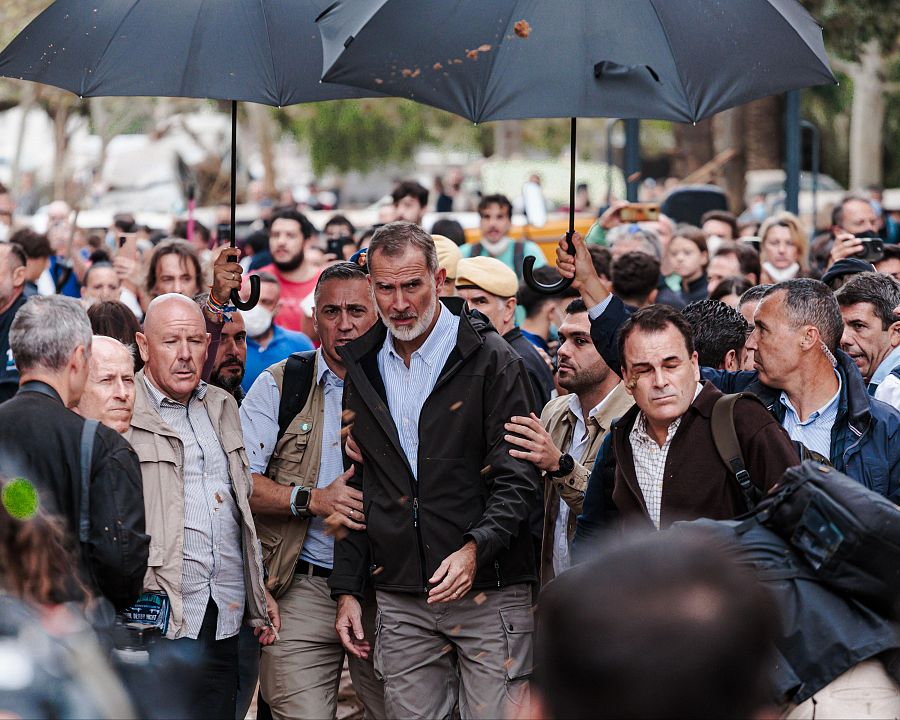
(263, 51)
(508, 59)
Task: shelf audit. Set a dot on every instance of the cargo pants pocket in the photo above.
(518, 628)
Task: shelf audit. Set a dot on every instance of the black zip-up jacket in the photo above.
(40, 440)
(468, 488)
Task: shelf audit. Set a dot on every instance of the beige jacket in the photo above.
(295, 460)
(161, 454)
(559, 420)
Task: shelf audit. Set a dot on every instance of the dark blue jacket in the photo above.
(865, 440)
(823, 633)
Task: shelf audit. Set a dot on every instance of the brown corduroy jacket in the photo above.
(696, 482)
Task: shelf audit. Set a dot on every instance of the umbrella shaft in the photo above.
(233, 169)
(572, 134)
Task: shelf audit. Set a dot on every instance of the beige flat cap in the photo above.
(448, 254)
(489, 274)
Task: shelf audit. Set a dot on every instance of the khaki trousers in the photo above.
(864, 691)
(300, 672)
(486, 637)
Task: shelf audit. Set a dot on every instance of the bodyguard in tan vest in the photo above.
(300, 500)
(205, 560)
(564, 443)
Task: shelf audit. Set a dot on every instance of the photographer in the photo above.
(852, 218)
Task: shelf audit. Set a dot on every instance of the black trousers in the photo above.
(211, 691)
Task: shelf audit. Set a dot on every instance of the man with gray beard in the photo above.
(447, 543)
(563, 444)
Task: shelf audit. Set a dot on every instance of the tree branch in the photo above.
(844, 66)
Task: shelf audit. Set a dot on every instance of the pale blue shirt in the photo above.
(408, 388)
(886, 367)
(213, 562)
(599, 308)
(259, 422)
(815, 431)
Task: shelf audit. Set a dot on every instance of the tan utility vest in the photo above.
(161, 454)
(295, 461)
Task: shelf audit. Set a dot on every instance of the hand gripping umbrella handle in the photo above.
(254, 279)
(252, 300)
(539, 287)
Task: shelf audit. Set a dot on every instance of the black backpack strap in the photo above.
(476, 250)
(728, 446)
(804, 453)
(518, 256)
(295, 387)
(88, 433)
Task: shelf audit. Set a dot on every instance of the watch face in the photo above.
(302, 501)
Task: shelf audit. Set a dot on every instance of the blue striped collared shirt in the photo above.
(213, 562)
(815, 431)
(409, 387)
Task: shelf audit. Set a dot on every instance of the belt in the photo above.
(305, 568)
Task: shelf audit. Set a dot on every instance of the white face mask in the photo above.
(257, 320)
(4, 232)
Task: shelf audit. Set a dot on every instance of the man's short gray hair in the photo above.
(811, 302)
(47, 330)
(393, 239)
(649, 238)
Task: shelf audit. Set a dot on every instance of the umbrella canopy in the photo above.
(510, 59)
(263, 51)
(507, 59)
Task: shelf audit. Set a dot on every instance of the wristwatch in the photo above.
(300, 497)
(566, 465)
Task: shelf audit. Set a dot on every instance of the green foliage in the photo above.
(850, 24)
(357, 134)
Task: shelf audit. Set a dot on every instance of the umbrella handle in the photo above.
(252, 300)
(539, 287)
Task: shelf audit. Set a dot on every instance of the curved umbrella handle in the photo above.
(559, 285)
(252, 300)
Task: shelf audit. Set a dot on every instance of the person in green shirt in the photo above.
(496, 220)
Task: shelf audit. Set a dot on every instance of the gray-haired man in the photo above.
(446, 543)
(42, 441)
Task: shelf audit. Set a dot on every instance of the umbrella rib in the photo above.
(278, 88)
(684, 91)
(108, 44)
(494, 58)
(796, 32)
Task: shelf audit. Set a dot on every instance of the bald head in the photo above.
(171, 306)
(109, 392)
(104, 347)
(173, 345)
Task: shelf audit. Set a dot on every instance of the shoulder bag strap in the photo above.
(295, 387)
(88, 433)
(728, 446)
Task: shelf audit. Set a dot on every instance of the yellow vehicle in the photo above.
(547, 237)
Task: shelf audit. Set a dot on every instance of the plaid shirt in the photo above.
(650, 461)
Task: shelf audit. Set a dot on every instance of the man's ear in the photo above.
(894, 333)
(18, 276)
(439, 278)
(143, 346)
(509, 310)
(79, 359)
(695, 361)
(730, 361)
(651, 298)
(811, 337)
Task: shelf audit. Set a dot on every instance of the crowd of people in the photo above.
(486, 500)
